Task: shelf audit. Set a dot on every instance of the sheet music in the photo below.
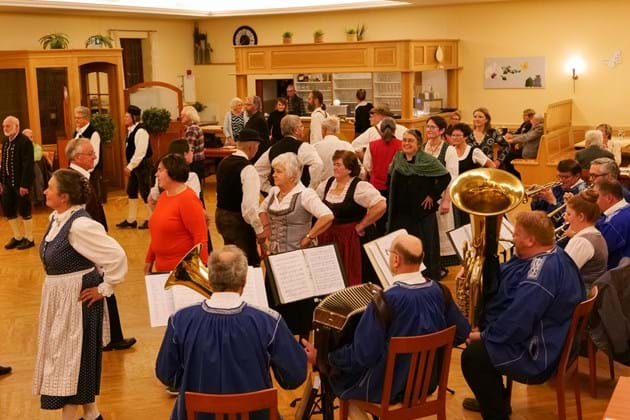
(325, 270)
(292, 277)
(254, 291)
(458, 237)
(185, 296)
(161, 303)
(507, 232)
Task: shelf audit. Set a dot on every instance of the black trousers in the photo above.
(235, 231)
(114, 319)
(140, 180)
(13, 203)
(485, 381)
(507, 163)
(199, 167)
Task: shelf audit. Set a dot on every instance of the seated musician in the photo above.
(528, 319)
(615, 223)
(570, 177)
(224, 345)
(418, 306)
(605, 169)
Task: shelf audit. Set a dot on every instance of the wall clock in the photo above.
(244, 35)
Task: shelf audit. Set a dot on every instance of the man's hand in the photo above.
(23, 191)
(90, 296)
(548, 196)
(474, 335)
(311, 351)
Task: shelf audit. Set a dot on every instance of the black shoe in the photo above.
(13, 243)
(100, 417)
(126, 224)
(123, 344)
(26, 244)
(471, 404)
(144, 225)
(4, 370)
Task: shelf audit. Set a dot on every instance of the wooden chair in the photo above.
(592, 365)
(229, 406)
(423, 350)
(568, 365)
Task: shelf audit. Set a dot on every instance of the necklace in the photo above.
(434, 149)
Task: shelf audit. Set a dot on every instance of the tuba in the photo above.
(486, 194)
(191, 272)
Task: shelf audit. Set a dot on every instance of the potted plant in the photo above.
(98, 41)
(351, 35)
(156, 120)
(318, 36)
(287, 37)
(56, 41)
(360, 30)
(199, 106)
(104, 124)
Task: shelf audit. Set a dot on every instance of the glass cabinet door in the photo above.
(13, 100)
(52, 92)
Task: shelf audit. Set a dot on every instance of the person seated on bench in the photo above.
(528, 142)
(570, 177)
(594, 142)
(528, 114)
(606, 130)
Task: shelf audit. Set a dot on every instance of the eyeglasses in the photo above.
(564, 176)
(391, 251)
(432, 127)
(595, 176)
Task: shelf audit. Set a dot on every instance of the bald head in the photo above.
(406, 254)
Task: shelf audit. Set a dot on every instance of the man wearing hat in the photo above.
(238, 189)
(139, 167)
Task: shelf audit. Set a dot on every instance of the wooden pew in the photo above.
(554, 147)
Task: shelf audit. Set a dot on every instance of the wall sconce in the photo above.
(575, 66)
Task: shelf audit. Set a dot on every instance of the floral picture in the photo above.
(514, 72)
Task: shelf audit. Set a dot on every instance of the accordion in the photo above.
(336, 317)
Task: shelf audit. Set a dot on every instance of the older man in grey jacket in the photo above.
(529, 142)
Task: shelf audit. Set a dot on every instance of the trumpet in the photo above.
(561, 232)
(534, 189)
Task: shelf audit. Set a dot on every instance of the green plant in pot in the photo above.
(56, 41)
(105, 126)
(287, 37)
(318, 36)
(351, 35)
(98, 41)
(156, 120)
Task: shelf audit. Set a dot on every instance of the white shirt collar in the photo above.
(410, 278)
(331, 137)
(578, 182)
(130, 129)
(240, 153)
(616, 207)
(586, 230)
(224, 300)
(82, 129)
(80, 170)
(362, 103)
(62, 218)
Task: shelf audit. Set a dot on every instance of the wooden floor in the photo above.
(129, 389)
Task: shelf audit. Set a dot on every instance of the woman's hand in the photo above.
(306, 242)
(90, 296)
(311, 351)
(360, 229)
(445, 206)
(262, 237)
(148, 267)
(427, 203)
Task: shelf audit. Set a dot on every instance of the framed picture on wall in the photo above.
(514, 73)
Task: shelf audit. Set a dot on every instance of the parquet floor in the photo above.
(129, 388)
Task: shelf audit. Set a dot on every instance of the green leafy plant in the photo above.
(56, 41)
(156, 120)
(199, 106)
(105, 126)
(287, 35)
(351, 31)
(318, 33)
(100, 40)
(360, 30)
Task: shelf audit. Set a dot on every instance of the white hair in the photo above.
(236, 101)
(594, 138)
(191, 113)
(331, 124)
(289, 162)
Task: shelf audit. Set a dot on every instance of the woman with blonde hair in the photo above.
(234, 120)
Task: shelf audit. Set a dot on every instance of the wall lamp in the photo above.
(575, 66)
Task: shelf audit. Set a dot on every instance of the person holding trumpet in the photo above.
(552, 200)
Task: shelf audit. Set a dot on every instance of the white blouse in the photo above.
(89, 239)
(365, 194)
(478, 157)
(310, 201)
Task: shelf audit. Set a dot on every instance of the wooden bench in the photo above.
(554, 146)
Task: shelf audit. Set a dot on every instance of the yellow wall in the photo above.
(554, 29)
(172, 39)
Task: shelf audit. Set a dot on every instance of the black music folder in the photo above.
(305, 273)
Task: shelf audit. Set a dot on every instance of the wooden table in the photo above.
(619, 404)
(219, 152)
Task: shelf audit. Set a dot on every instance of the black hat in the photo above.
(134, 110)
(247, 134)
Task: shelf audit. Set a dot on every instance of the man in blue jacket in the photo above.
(528, 319)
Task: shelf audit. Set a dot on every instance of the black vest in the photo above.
(87, 133)
(348, 210)
(286, 145)
(130, 146)
(229, 188)
(468, 163)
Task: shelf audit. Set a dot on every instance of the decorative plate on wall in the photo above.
(244, 35)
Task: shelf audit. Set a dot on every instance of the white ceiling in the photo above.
(213, 8)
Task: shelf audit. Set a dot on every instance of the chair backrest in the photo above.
(228, 406)
(576, 329)
(423, 351)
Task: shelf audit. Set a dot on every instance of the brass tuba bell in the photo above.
(486, 194)
(191, 272)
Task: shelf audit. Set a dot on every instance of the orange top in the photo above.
(177, 224)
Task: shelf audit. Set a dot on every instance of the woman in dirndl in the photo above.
(82, 264)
